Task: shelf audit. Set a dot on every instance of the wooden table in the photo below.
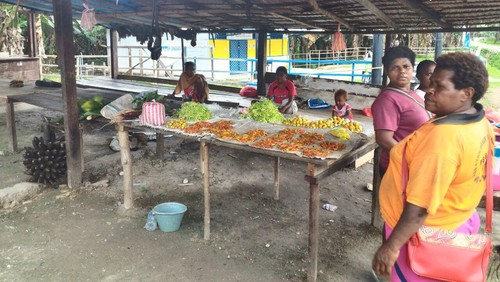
(316, 169)
(45, 97)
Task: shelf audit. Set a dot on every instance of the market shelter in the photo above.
(186, 19)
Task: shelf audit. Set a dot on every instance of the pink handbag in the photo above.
(447, 255)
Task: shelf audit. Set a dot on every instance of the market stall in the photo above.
(260, 138)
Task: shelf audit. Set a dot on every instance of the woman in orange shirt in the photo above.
(446, 167)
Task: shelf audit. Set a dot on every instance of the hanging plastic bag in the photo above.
(88, 18)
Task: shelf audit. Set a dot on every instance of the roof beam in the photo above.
(418, 7)
(377, 12)
(294, 20)
(320, 10)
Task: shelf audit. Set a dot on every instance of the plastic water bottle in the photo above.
(151, 223)
(329, 207)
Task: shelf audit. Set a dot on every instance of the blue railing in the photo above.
(364, 75)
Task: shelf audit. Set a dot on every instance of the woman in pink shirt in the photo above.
(282, 91)
(397, 110)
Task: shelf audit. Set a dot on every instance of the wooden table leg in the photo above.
(11, 124)
(312, 272)
(128, 200)
(160, 145)
(206, 189)
(276, 178)
(376, 217)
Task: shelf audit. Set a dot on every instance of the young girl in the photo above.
(341, 108)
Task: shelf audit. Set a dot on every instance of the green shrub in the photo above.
(494, 60)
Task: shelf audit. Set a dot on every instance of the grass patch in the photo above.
(491, 41)
(53, 77)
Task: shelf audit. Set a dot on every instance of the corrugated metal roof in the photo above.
(354, 16)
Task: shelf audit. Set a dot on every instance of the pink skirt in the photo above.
(402, 272)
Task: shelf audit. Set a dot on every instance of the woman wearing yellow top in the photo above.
(194, 86)
(446, 165)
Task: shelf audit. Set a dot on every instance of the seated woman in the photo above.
(282, 91)
(189, 81)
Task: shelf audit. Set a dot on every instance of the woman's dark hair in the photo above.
(189, 65)
(339, 93)
(468, 71)
(282, 69)
(396, 53)
(424, 65)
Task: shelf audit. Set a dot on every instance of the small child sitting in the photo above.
(341, 108)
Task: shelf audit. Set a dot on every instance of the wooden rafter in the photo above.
(295, 21)
(420, 8)
(377, 12)
(320, 10)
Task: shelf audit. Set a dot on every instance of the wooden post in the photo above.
(376, 218)
(206, 187)
(126, 160)
(378, 53)
(388, 39)
(66, 53)
(276, 178)
(261, 63)
(141, 62)
(114, 53)
(312, 271)
(160, 145)
(32, 42)
(183, 54)
(11, 124)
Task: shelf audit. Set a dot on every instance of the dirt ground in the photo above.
(86, 235)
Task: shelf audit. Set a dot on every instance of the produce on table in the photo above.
(353, 126)
(252, 135)
(177, 123)
(315, 152)
(265, 111)
(91, 107)
(147, 96)
(192, 111)
(341, 133)
(332, 146)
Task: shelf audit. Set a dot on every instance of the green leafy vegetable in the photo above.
(192, 111)
(265, 111)
(147, 96)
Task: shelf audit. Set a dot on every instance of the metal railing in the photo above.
(135, 60)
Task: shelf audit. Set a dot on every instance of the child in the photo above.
(341, 108)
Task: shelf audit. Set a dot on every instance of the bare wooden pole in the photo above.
(114, 53)
(312, 272)
(276, 178)
(63, 20)
(126, 160)
(206, 187)
(160, 145)
(32, 43)
(11, 124)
